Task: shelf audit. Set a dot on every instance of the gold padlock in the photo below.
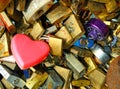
(56, 46)
(96, 7)
(4, 45)
(74, 27)
(90, 63)
(21, 5)
(37, 8)
(66, 74)
(37, 30)
(65, 35)
(58, 14)
(111, 6)
(36, 80)
(97, 78)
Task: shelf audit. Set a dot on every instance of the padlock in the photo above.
(53, 82)
(81, 52)
(96, 7)
(6, 84)
(56, 46)
(65, 35)
(66, 2)
(81, 82)
(21, 5)
(75, 65)
(4, 4)
(101, 56)
(96, 29)
(66, 74)
(101, 1)
(9, 25)
(11, 77)
(58, 14)
(111, 6)
(4, 45)
(90, 63)
(51, 29)
(97, 78)
(36, 8)
(36, 80)
(10, 8)
(74, 26)
(2, 27)
(37, 30)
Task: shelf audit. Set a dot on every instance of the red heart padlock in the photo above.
(27, 52)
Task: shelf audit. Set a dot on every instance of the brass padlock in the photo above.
(66, 74)
(21, 5)
(111, 6)
(81, 82)
(36, 80)
(55, 46)
(96, 7)
(36, 8)
(4, 45)
(58, 14)
(65, 35)
(97, 78)
(37, 30)
(90, 63)
(74, 26)
(75, 65)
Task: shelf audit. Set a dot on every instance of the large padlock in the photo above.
(58, 14)
(97, 78)
(66, 74)
(56, 46)
(36, 8)
(4, 45)
(37, 30)
(65, 35)
(75, 65)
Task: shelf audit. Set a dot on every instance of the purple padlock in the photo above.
(96, 29)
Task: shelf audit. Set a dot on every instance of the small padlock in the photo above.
(36, 8)
(81, 52)
(56, 46)
(9, 25)
(91, 65)
(97, 78)
(36, 80)
(4, 45)
(58, 14)
(65, 35)
(21, 5)
(37, 30)
(111, 6)
(53, 82)
(66, 74)
(74, 26)
(75, 65)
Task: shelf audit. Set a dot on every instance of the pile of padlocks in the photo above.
(59, 44)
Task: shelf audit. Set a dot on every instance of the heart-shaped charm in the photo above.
(27, 52)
